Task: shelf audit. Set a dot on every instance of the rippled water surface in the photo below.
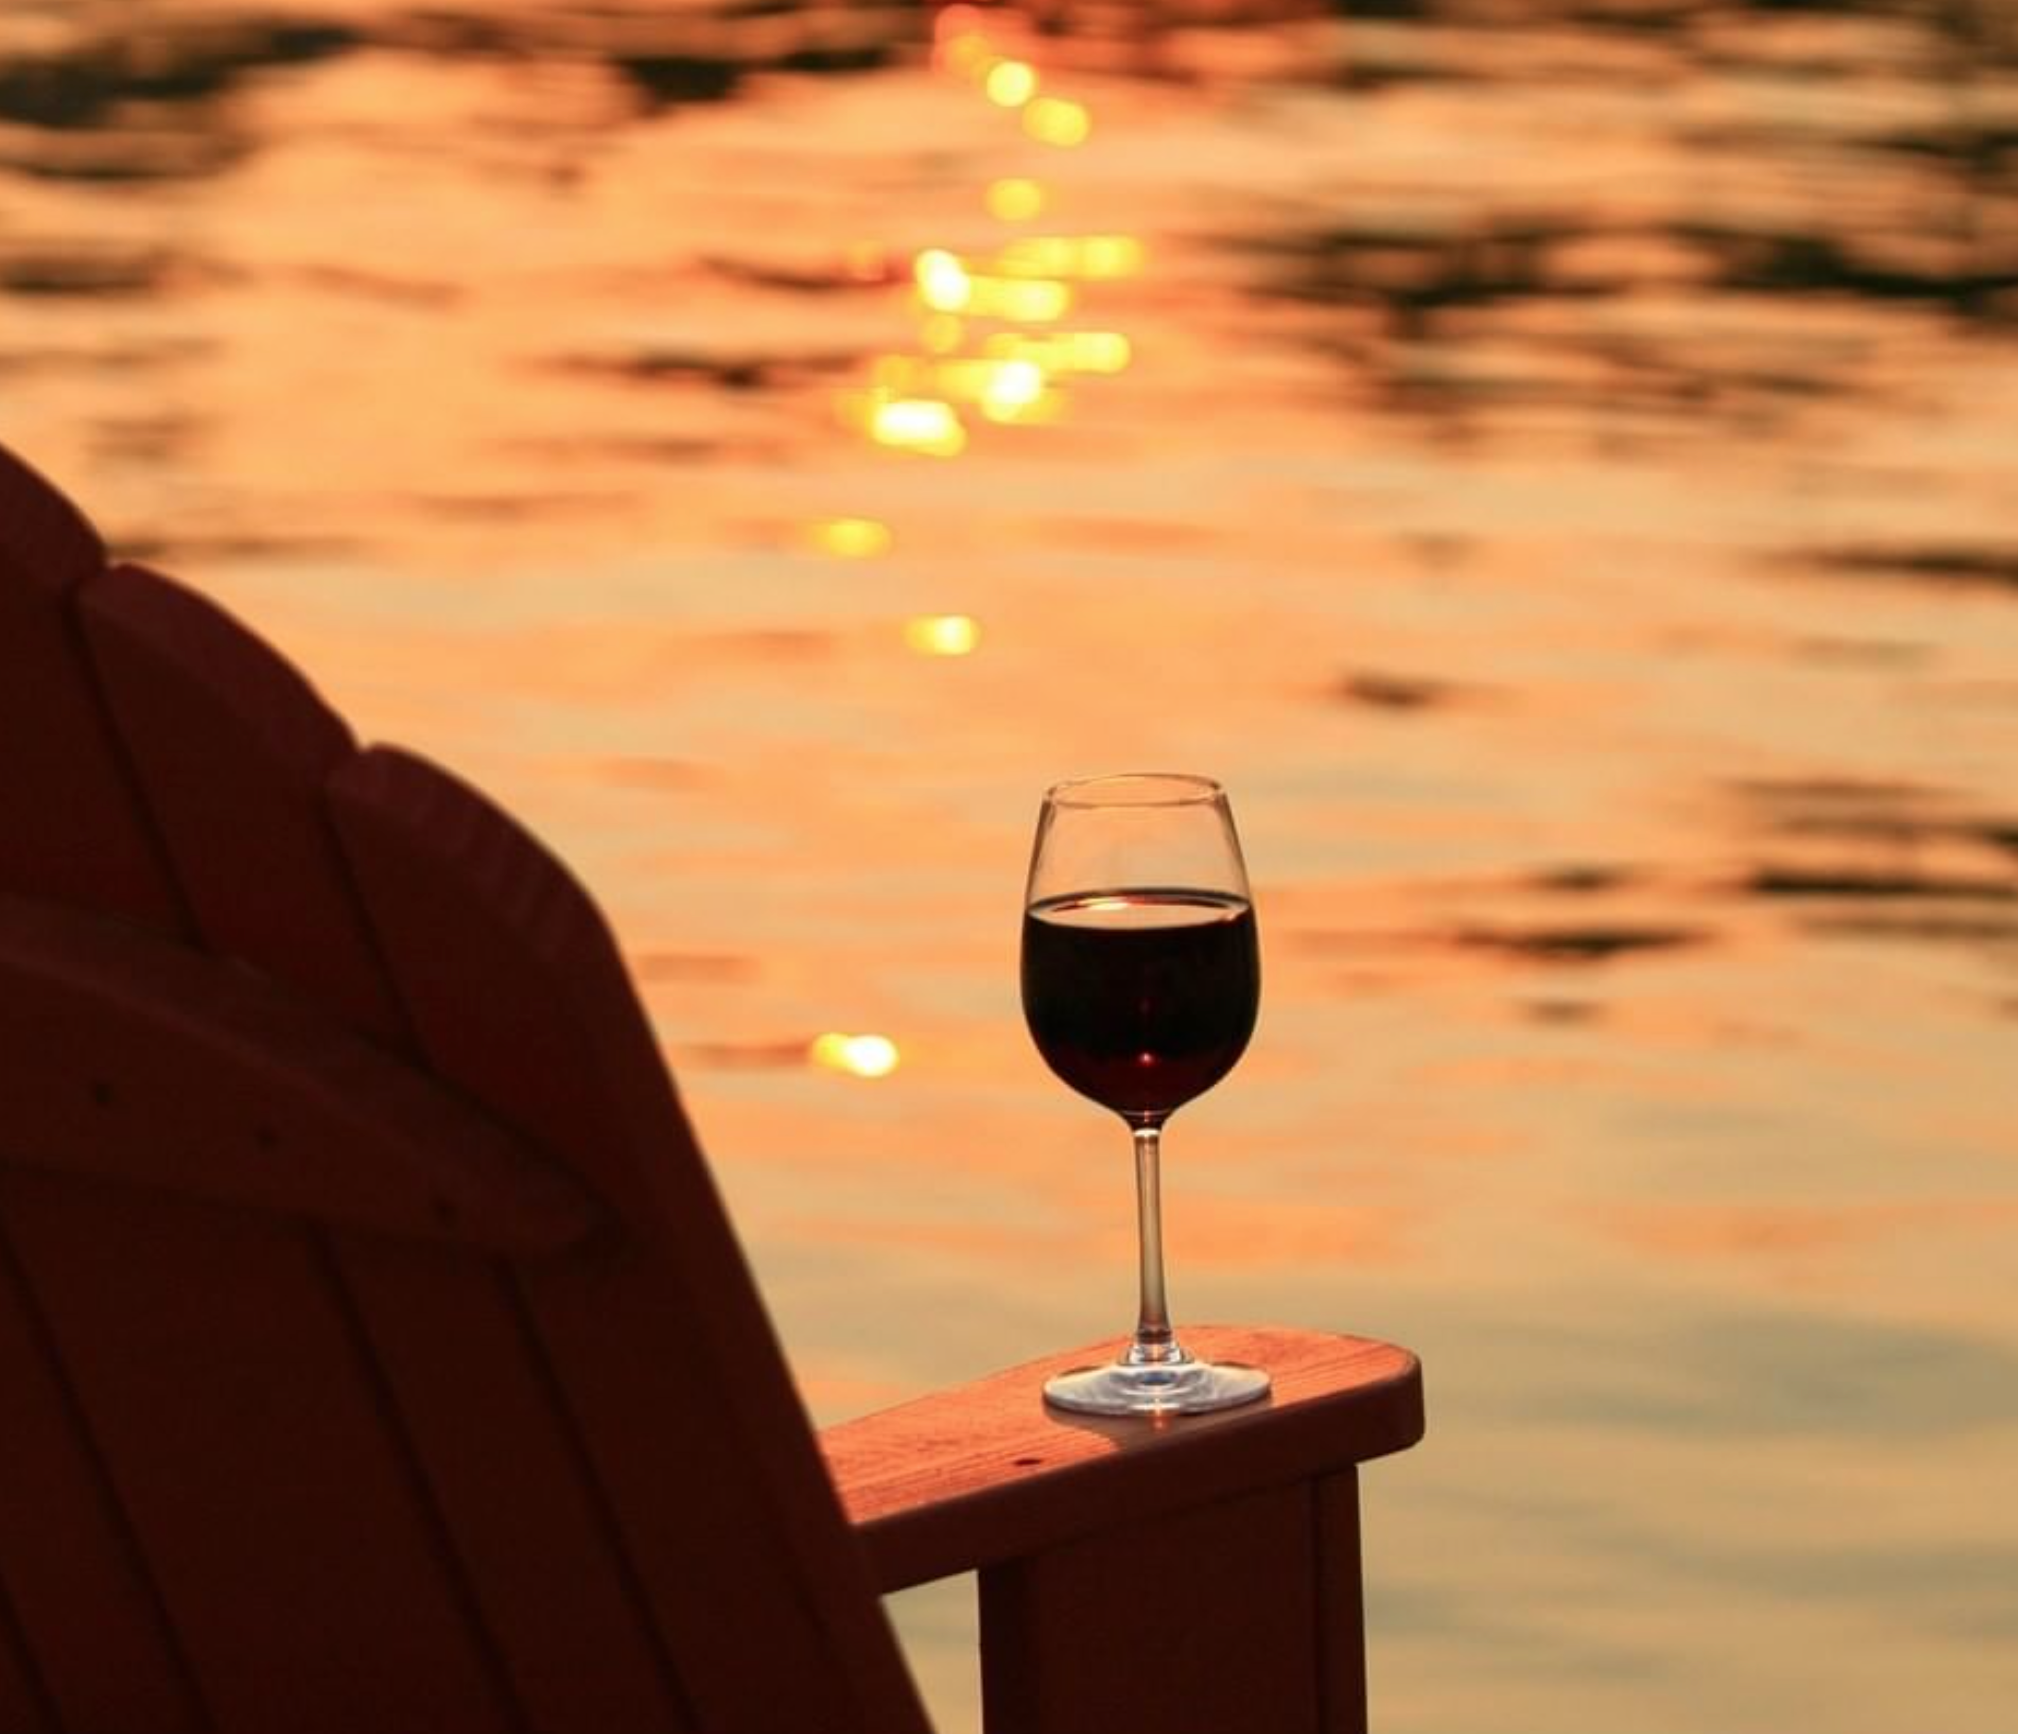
(1558, 464)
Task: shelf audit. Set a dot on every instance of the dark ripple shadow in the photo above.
(1921, 929)
(1428, 288)
(195, 552)
(1406, 332)
(1577, 944)
(1884, 860)
(1891, 815)
(1551, 945)
(43, 271)
(1963, 566)
(594, 445)
(732, 373)
(1866, 886)
(1373, 689)
(187, 62)
(126, 156)
(1974, 284)
(1586, 878)
(843, 280)
(1929, 235)
(149, 101)
(151, 98)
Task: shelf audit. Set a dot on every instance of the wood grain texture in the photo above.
(83, 1609)
(987, 1473)
(1196, 1622)
(130, 1057)
(661, 1348)
(71, 828)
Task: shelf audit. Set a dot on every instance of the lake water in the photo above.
(1558, 464)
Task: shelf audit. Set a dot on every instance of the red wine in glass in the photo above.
(1141, 999)
(1141, 978)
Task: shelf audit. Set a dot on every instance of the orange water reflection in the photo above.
(1559, 475)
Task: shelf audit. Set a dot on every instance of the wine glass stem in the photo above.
(1154, 1340)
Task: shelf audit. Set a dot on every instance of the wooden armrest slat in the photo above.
(985, 1473)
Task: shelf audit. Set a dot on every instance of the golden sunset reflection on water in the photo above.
(1559, 474)
(1028, 281)
(859, 1056)
(1010, 83)
(916, 424)
(943, 634)
(1057, 121)
(1016, 199)
(853, 538)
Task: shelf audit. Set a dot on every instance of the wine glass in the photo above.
(1141, 979)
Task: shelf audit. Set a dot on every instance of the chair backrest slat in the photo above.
(83, 1614)
(518, 994)
(71, 827)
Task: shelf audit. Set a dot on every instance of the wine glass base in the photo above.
(1173, 1387)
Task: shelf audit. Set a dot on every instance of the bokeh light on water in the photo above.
(1558, 465)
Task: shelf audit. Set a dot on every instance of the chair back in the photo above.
(375, 1352)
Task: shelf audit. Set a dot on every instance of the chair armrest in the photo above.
(985, 1473)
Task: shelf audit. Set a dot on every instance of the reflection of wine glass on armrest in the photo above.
(1141, 979)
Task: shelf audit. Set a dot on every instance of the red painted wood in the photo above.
(514, 983)
(667, 1362)
(127, 1056)
(231, 746)
(23, 1709)
(80, 1604)
(1191, 1623)
(225, 1389)
(542, 1550)
(1341, 1605)
(70, 827)
(24, 1706)
(986, 1473)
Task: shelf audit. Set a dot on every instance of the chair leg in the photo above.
(1244, 1615)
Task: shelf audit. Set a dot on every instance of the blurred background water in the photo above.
(1556, 462)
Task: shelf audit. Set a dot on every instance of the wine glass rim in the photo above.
(1181, 789)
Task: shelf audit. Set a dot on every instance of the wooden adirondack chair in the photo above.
(375, 1354)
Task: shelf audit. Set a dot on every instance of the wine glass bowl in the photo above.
(1140, 999)
(1141, 980)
